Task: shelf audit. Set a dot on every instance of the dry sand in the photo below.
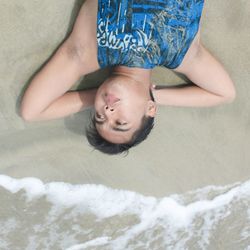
(189, 147)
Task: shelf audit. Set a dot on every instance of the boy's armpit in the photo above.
(207, 72)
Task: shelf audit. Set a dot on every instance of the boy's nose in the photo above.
(108, 107)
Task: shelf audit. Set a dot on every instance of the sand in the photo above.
(189, 147)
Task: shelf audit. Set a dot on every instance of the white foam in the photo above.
(106, 202)
(98, 199)
(32, 186)
(95, 242)
(169, 212)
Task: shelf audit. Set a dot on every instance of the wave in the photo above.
(121, 219)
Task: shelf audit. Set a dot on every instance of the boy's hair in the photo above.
(101, 144)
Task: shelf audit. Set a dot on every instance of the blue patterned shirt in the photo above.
(145, 34)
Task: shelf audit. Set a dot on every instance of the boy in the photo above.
(132, 37)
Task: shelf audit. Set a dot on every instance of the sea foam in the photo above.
(178, 220)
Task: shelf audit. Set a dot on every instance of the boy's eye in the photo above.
(121, 123)
(99, 116)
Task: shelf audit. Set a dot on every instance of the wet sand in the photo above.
(188, 148)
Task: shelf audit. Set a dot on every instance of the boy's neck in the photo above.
(138, 74)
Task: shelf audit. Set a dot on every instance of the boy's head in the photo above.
(124, 114)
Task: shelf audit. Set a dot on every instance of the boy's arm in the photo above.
(188, 96)
(46, 96)
(70, 103)
(213, 86)
(48, 88)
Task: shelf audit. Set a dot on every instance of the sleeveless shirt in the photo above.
(145, 34)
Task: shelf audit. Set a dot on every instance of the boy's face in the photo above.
(120, 105)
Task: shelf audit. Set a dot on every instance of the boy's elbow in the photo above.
(229, 98)
(26, 115)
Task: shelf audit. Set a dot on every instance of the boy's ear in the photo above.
(151, 109)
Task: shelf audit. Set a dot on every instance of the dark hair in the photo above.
(101, 144)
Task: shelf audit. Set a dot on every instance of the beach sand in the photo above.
(189, 148)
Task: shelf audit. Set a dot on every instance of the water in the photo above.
(54, 216)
